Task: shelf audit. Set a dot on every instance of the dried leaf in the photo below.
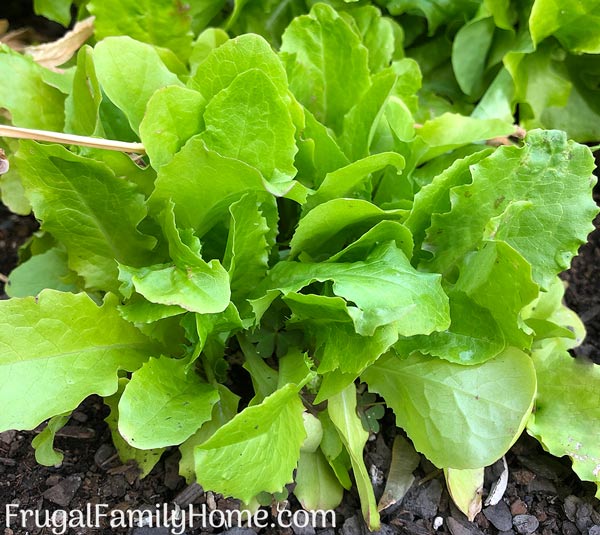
(499, 487)
(404, 460)
(465, 487)
(51, 55)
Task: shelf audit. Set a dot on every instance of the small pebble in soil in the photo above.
(457, 528)
(594, 530)
(568, 528)
(499, 515)
(424, 500)
(570, 506)
(62, 493)
(353, 526)
(518, 507)
(525, 524)
(150, 531)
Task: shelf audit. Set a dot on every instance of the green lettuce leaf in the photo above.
(237, 460)
(56, 10)
(60, 333)
(197, 173)
(575, 24)
(250, 121)
(384, 289)
(165, 23)
(144, 459)
(319, 50)
(567, 415)
(163, 404)
(542, 217)
(173, 115)
(130, 72)
(458, 416)
(68, 191)
(341, 408)
(31, 100)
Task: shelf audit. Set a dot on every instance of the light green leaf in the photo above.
(249, 121)
(43, 443)
(485, 276)
(465, 487)
(251, 237)
(145, 459)
(204, 44)
(68, 191)
(580, 117)
(437, 12)
(329, 226)
(68, 349)
(451, 131)
(82, 106)
(381, 232)
(320, 50)
(56, 10)
(264, 378)
(334, 451)
(196, 172)
(185, 248)
(32, 102)
(163, 404)
(234, 57)
(223, 411)
(12, 192)
(173, 115)
(130, 72)
(470, 53)
(540, 81)
(337, 345)
(140, 310)
(567, 409)
(257, 450)
(384, 289)
(473, 336)
(46, 270)
(314, 433)
(318, 152)
(497, 101)
(164, 23)
(458, 416)
(202, 287)
(351, 180)
(576, 24)
(367, 113)
(552, 175)
(556, 320)
(381, 35)
(317, 487)
(342, 411)
(434, 198)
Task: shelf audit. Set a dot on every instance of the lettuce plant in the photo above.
(293, 217)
